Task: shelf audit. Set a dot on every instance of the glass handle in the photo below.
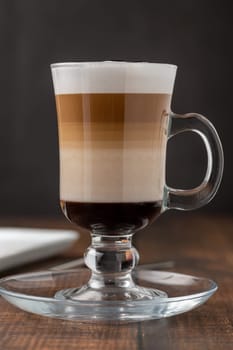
(197, 197)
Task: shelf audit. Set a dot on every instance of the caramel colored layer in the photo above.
(111, 108)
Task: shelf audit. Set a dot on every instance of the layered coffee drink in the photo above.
(112, 138)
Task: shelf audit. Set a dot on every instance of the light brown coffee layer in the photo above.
(111, 175)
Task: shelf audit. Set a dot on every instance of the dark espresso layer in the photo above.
(112, 218)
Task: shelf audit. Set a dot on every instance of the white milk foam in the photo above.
(110, 77)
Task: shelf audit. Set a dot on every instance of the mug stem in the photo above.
(111, 260)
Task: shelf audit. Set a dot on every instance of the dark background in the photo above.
(195, 35)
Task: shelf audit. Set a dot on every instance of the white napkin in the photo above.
(23, 245)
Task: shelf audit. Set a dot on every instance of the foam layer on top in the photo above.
(110, 77)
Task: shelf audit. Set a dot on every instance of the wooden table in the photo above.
(200, 244)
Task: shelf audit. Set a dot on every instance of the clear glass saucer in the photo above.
(36, 292)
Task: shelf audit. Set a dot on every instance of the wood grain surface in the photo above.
(199, 244)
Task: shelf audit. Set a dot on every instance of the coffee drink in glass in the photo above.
(114, 122)
(112, 147)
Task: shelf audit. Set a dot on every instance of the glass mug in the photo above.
(114, 122)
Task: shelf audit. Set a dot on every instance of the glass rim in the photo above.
(80, 64)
